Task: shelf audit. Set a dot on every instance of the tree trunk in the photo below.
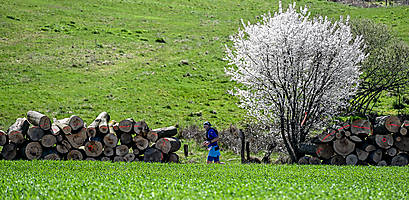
(129, 157)
(38, 119)
(75, 155)
(386, 124)
(126, 125)
(166, 132)
(108, 151)
(78, 139)
(270, 148)
(35, 133)
(32, 151)
(344, 146)
(9, 152)
(361, 127)
(141, 143)
(121, 150)
(400, 160)
(361, 154)
(337, 160)
(65, 128)
(110, 140)
(153, 155)
(93, 148)
(402, 143)
(325, 151)
(375, 156)
(351, 159)
(314, 161)
(64, 147)
(3, 138)
(48, 140)
(248, 150)
(168, 145)
(126, 138)
(384, 141)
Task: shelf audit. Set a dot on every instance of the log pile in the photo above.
(36, 137)
(386, 142)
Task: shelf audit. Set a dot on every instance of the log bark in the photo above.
(152, 136)
(38, 119)
(48, 140)
(384, 141)
(140, 142)
(32, 150)
(35, 133)
(121, 150)
(168, 145)
(16, 137)
(141, 128)
(103, 122)
(55, 130)
(108, 151)
(92, 129)
(361, 154)
(402, 143)
(78, 139)
(74, 122)
(386, 124)
(65, 128)
(375, 156)
(75, 155)
(314, 161)
(126, 125)
(391, 152)
(153, 155)
(327, 136)
(400, 160)
(129, 157)
(186, 150)
(3, 138)
(325, 151)
(351, 159)
(344, 146)
(9, 152)
(361, 127)
(166, 132)
(126, 138)
(18, 130)
(337, 160)
(110, 140)
(173, 158)
(64, 147)
(93, 148)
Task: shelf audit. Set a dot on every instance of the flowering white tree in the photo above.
(294, 72)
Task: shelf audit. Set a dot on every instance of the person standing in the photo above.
(211, 142)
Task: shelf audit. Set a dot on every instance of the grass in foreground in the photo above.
(101, 180)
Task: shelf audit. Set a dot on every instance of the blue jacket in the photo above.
(210, 135)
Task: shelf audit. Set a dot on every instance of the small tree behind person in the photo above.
(211, 142)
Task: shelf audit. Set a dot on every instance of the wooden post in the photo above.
(243, 145)
(186, 150)
(248, 150)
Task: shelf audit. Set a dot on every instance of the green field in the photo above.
(101, 180)
(83, 57)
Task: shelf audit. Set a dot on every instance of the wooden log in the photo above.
(384, 141)
(92, 128)
(382, 163)
(314, 161)
(348, 134)
(111, 127)
(65, 128)
(375, 156)
(116, 127)
(337, 160)
(361, 154)
(141, 128)
(325, 151)
(351, 159)
(78, 139)
(121, 150)
(402, 143)
(140, 142)
(343, 146)
(119, 159)
(403, 131)
(153, 155)
(90, 159)
(35, 133)
(64, 147)
(173, 158)
(55, 130)
(3, 138)
(38, 119)
(108, 151)
(105, 159)
(50, 154)
(48, 140)
(368, 147)
(18, 130)
(126, 125)
(125, 138)
(166, 132)
(361, 127)
(93, 148)
(168, 145)
(152, 136)
(9, 151)
(303, 160)
(129, 157)
(400, 160)
(136, 151)
(103, 119)
(110, 140)
(75, 155)
(74, 122)
(16, 137)
(391, 152)
(338, 135)
(386, 124)
(32, 150)
(327, 136)
(355, 139)
(59, 138)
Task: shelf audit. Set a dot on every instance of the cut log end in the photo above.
(48, 140)
(121, 150)
(32, 151)
(93, 148)
(38, 119)
(75, 155)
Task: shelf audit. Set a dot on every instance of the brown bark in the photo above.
(3, 138)
(121, 150)
(126, 125)
(402, 143)
(75, 155)
(140, 142)
(351, 159)
(344, 146)
(384, 141)
(38, 119)
(386, 124)
(110, 140)
(48, 140)
(9, 152)
(325, 151)
(168, 145)
(78, 139)
(166, 132)
(361, 127)
(32, 150)
(93, 148)
(153, 155)
(35, 133)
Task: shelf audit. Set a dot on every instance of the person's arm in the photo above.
(214, 140)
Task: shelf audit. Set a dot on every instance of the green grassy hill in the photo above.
(124, 57)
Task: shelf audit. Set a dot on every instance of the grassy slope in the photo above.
(101, 180)
(84, 57)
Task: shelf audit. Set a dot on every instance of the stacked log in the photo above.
(360, 142)
(35, 137)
